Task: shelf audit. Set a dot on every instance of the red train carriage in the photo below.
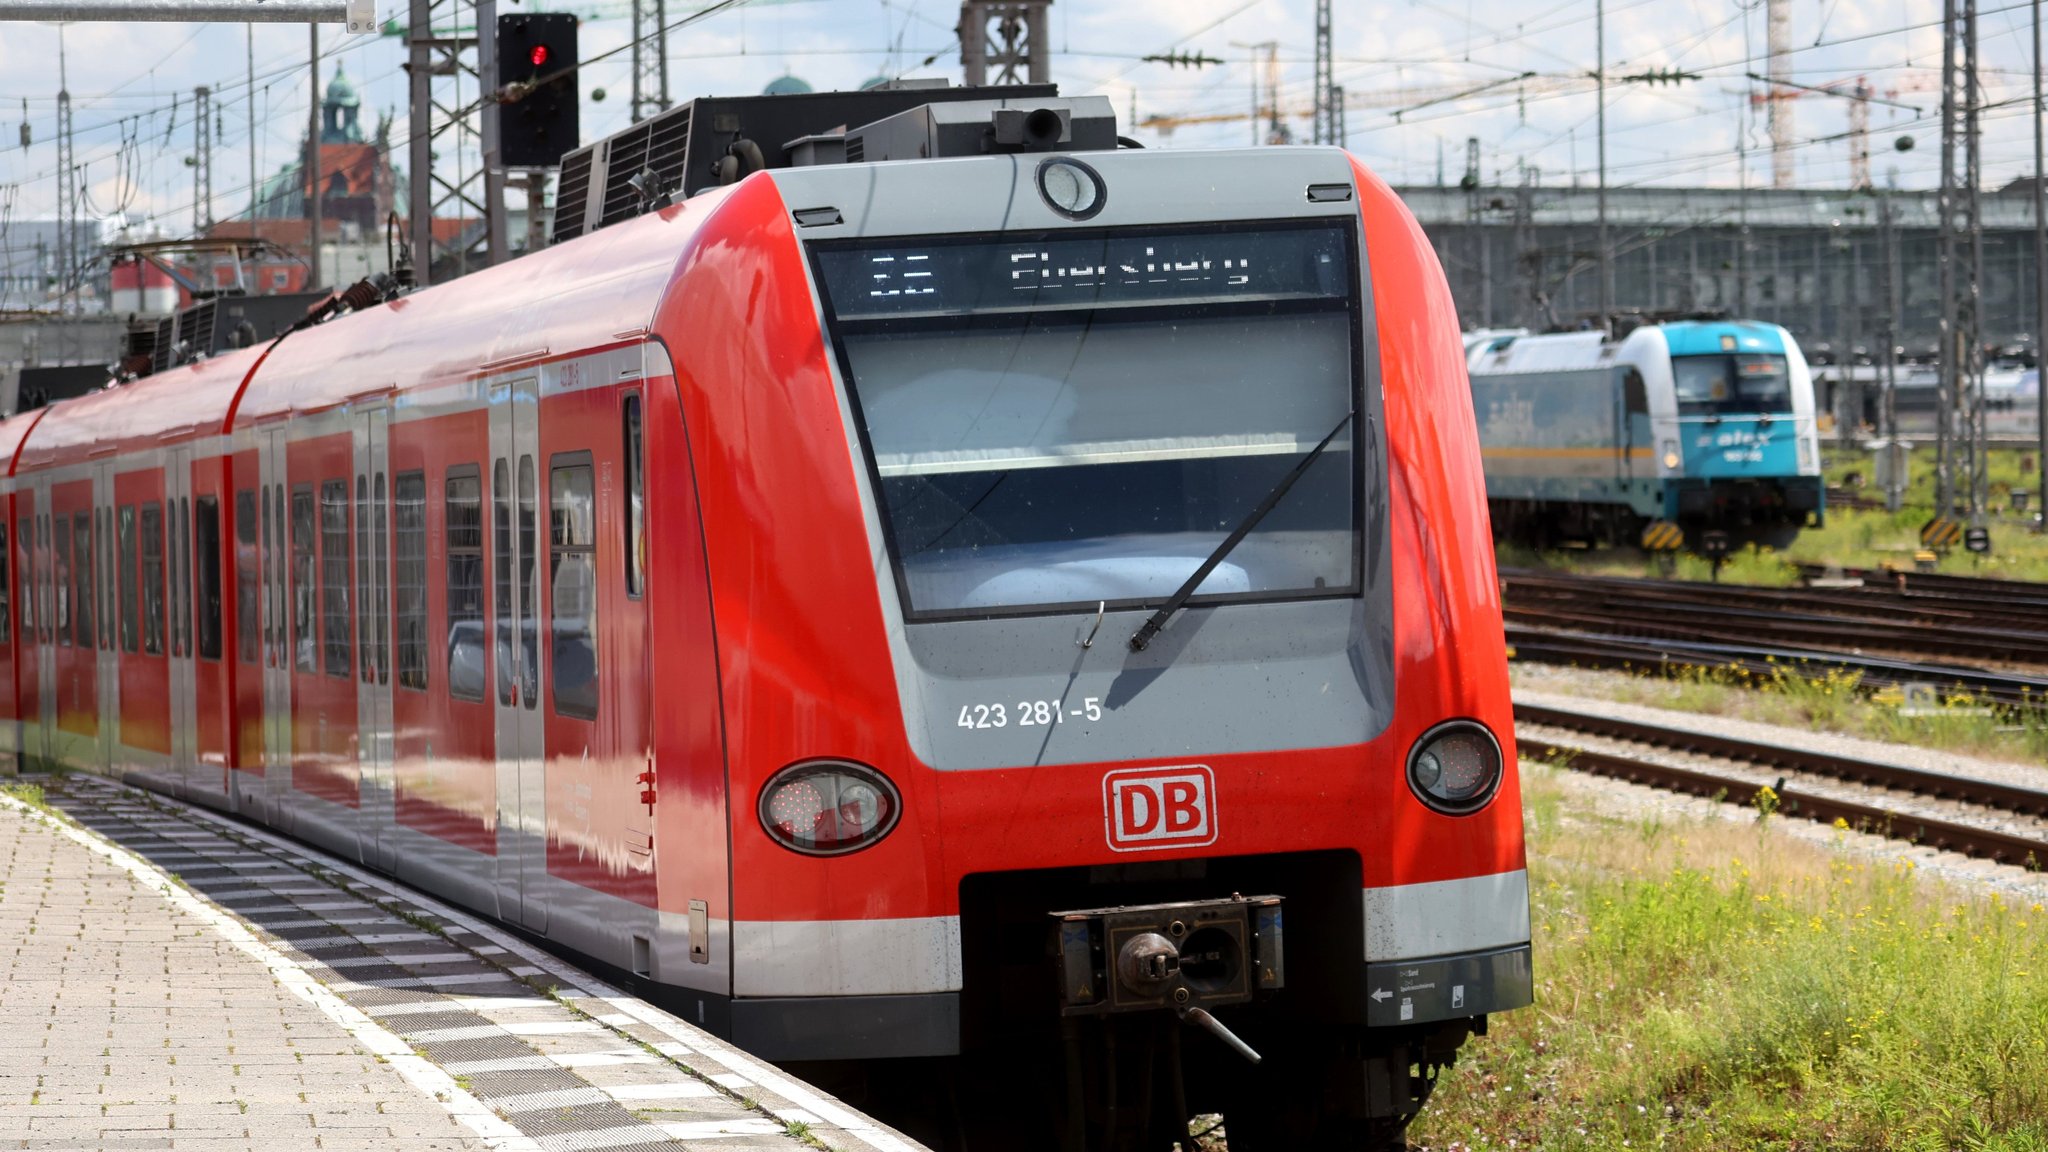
(1006, 608)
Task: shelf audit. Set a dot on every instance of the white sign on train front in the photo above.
(1147, 809)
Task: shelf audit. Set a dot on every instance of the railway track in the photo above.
(2005, 800)
(1909, 621)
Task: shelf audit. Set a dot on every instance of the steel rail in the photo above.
(1984, 843)
(1855, 770)
(1604, 650)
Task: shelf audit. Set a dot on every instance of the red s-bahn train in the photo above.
(1031, 609)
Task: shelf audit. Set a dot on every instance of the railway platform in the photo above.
(173, 979)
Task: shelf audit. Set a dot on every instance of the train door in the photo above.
(373, 635)
(515, 453)
(277, 674)
(104, 582)
(178, 629)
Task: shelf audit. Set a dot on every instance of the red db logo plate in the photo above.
(1144, 809)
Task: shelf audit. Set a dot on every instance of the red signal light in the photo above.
(539, 55)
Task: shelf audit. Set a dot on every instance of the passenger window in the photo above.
(334, 575)
(305, 637)
(409, 526)
(501, 576)
(84, 583)
(463, 509)
(635, 517)
(383, 581)
(44, 610)
(105, 519)
(60, 562)
(184, 577)
(131, 613)
(365, 650)
(529, 567)
(248, 632)
(153, 579)
(572, 582)
(25, 540)
(206, 554)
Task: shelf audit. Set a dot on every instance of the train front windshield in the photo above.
(1059, 420)
(1732, 384)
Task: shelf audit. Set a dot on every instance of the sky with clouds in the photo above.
(1423, 77)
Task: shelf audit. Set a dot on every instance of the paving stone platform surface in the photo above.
(172, 979)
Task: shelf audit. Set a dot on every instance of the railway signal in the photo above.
(540, 119)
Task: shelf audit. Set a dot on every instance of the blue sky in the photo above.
(1393, 57)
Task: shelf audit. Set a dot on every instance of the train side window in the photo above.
(108, 590)
(24, 540)
(334, 575)
(366, 651)
(152, 579)
(44, 611)
(1635, 398)
(409, 551)
(184, 601)
(84, 578)
(501, 576)
(247, 608)
(173, 531)
(206, 554)
(383, 581)
(60, 575)
(305, 635)
(529, 567)
(6, 588)
(572, 582)
(463, 511)
(635, 517)
(131, 631)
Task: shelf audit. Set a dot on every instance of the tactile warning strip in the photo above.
(568, 1062)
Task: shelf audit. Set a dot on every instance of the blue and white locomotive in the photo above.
(1706, 424)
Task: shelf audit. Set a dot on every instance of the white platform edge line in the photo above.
(422, 1074)
(575, 981)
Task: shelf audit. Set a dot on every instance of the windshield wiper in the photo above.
(1153, 623)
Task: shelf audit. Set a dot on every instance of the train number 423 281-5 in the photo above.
(1027, 713)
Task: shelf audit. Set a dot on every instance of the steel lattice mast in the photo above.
(650, 58)
(1959, 420)
(1326, 100)
(202, 160)
(449, 73)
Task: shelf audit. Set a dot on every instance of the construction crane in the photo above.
(1860, 95)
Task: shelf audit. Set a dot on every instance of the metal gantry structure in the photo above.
(67, 188)
(650, 58)
(202, 160)
(1961, 467)
(1329, 105)
(449, 124)
(1005, 42)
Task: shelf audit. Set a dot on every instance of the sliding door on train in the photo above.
(42, 710)
(515, 545)
(182, 684)
(275, 552)
(106, 665)
(372, 435)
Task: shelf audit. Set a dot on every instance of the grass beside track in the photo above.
(1703, 985)
(1853, 538)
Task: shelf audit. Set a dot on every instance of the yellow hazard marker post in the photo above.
(1662, 536)
(1941, 534)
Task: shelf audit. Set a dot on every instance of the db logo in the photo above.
(1151, 808)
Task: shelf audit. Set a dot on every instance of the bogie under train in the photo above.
(1021, 621)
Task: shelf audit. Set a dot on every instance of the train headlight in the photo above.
(828, 807)
(1455, 767)
(1671, 458)
(1071, 188)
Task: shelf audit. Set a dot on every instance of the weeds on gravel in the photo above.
(1704, 985)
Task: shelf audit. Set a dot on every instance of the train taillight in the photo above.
(828, 807)
(1456, 767)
